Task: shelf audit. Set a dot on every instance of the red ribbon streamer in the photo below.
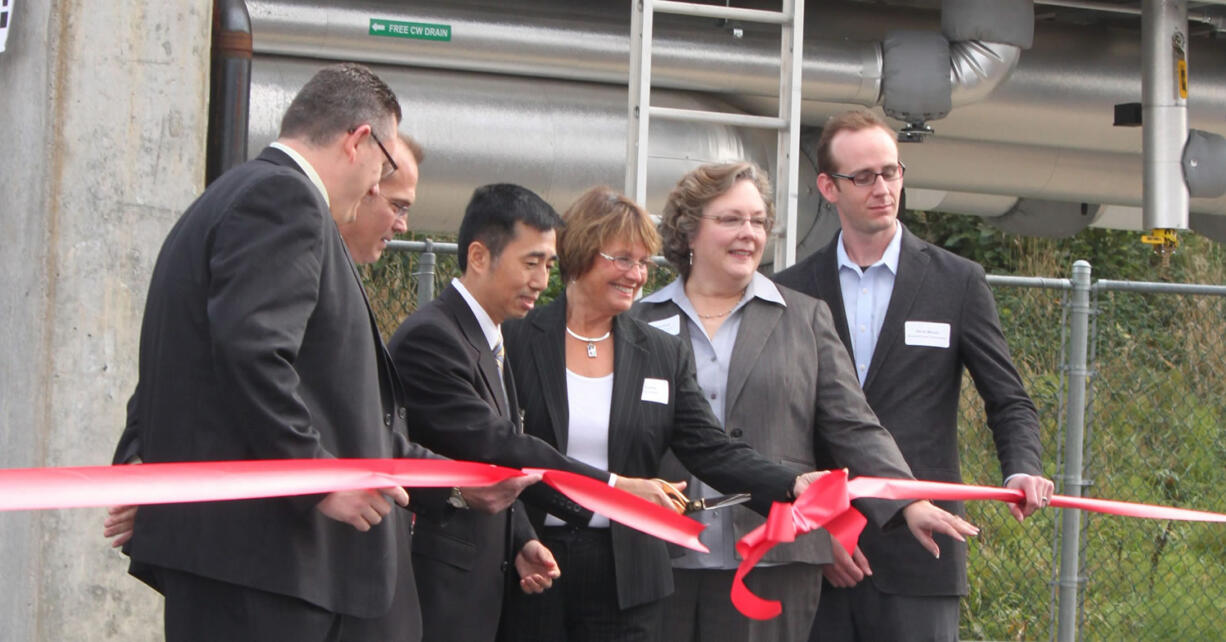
(76, 487)
(826, 503)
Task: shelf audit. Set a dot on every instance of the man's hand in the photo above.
(497, 497)
(655, 491)
(120, 520)
(924, 519)
(362, 509)
(1038, 494)
(536, 566)
(846, 570)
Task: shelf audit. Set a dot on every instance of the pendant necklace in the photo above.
(591, 341)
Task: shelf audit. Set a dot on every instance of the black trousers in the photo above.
(199, 609)
(582, 604)
(864, 614)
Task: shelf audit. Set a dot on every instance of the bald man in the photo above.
(384, 215)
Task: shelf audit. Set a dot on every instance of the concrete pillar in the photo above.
(103, 106)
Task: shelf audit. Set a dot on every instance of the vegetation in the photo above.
(1155, 433)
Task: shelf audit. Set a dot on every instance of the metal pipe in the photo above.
(1164, 113)
(1217, 22)
(1104, 285)
(229, 88)
(722, 13)
(1071, 479)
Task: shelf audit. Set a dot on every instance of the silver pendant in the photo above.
(591, 350)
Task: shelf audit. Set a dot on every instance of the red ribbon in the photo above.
(826, 504)
(44, 488)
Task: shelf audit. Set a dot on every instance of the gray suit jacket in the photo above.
(915, 392)
(639, 430)
(792, 396)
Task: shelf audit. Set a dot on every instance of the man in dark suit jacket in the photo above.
(258, 343)
(920, 315)
(462, 404)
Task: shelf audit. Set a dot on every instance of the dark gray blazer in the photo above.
(793, 396)
(258, 343)
(915, 392)
(640, 431)
(457, 407)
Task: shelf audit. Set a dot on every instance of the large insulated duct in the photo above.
(1053, 114)
(557, 137)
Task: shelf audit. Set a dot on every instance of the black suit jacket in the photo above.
(915, 392)
(640, 431)
(258, 343)
(457, 408)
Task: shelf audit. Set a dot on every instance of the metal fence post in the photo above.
(1072, 483)
(425, 275)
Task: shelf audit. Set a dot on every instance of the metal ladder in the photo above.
(787, 123)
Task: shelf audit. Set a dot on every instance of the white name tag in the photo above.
(671, 325)
(926, 333)
(655, 390)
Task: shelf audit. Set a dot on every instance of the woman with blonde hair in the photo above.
(771, 366)
(615, 393)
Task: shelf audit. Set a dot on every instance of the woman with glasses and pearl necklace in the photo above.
(615, 393)
(772, 368)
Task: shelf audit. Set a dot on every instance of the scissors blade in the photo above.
(714, 503)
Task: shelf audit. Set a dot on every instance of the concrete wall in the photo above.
(103, 106)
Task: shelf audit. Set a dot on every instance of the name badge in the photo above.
(671, 325)
(655, 390)
(926, 333)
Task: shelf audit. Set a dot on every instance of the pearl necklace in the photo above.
(591, 341)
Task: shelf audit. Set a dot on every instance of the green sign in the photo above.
(414, 30)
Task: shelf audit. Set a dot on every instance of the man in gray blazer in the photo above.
(912, 316)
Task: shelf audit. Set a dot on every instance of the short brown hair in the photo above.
(683, 209)
(601, 216)
(414, 147)
(337, 99)
(853, 121)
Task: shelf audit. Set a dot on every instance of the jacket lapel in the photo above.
(757, 324)
(549, 359)
(912, 268)
(828, 288)
(629, 353)
(471, 330)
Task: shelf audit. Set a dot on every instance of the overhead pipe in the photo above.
(229, 88)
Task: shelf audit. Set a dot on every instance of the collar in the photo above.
(306, 166)
(759, 287)
(889, 258)
(492, 332)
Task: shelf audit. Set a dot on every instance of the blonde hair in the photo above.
(683, 209)
(599, 217)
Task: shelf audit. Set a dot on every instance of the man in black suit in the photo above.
(912, 316)
(462, 403)
(258, 343)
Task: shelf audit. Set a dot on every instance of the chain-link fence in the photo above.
(1154, 431)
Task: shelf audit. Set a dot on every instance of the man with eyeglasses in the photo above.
(912, 316)
(257, 344)
(380, 217)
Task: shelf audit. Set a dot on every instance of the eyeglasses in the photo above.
(734, 222)
(401, 209)
(625, 263)
(391, 166)
(866, 177)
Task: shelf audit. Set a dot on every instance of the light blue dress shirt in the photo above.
(866, 296)
(712, 357)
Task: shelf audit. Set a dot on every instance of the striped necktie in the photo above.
(500, 355)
